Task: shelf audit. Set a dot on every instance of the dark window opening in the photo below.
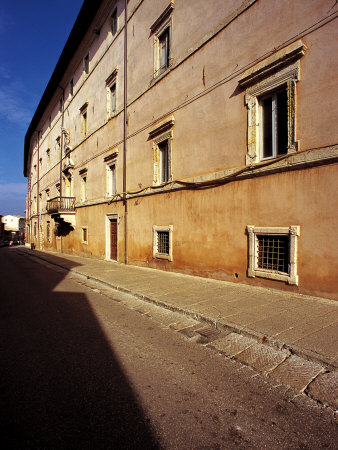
(114, 22)
(164, 161)
(164, 49)
(163, 242)
(274, 127)
(273, 253)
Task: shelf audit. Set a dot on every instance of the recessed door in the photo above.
(113, 239)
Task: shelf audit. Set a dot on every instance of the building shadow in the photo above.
(61, 385)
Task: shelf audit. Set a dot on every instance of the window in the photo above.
(112, 99)
(161, 30)
(162, 242)
(84, 235)
(163, 172)
(48, 156)
(111, 163)
(271, 100)
(58, 147)
(71, 87)
(83, 175)
(48, 231)
(273, 253)
(111, 83)
(113, 20)
(84, 189)
(35, 229)
(84, 120)
(274, 125)
(86, 64)
(111, 180)
(162, 157)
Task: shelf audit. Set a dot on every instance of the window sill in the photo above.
(162, 256)
(278, 276)
(159, 76)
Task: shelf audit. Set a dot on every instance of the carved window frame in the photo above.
(279, 71)
(162, 23)
(293, 232)
(156, 254)
(285, 81)
(111, 173)
(168, 136)
(84, 235)
(110, 82)
(84, 177)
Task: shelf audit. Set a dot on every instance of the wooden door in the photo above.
(113, 239)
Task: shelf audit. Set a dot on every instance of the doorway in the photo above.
(113, 238)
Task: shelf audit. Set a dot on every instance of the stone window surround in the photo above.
(161, 133)
(281, 70)
(112, 79)
(168, 228)
(157, 28)
(82, 233)
(84, 120)
(111, 160)
(83, 174)
(293, 232)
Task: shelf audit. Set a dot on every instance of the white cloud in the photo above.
(11, 106)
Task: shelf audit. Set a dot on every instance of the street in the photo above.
(85, 367)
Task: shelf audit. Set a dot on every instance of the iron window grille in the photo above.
(273, 252)
(162, 242)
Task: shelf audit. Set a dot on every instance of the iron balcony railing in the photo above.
(60, 205)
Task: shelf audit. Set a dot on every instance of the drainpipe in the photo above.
(61, 147)
(38, 189)
(125, 122)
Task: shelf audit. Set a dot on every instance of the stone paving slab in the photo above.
(324, 340)
(325, 389)
(306, 324)
(232, 344)
(261, 357)
(296, 372)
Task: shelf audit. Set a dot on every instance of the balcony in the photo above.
(62, 209)
(58, 205)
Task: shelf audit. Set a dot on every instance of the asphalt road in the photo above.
(82, 368)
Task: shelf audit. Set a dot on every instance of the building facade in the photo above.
(193, 136)
(13, 228)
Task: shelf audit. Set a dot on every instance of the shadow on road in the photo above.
(61, 384)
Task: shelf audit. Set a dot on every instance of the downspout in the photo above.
(30, 222)
(125, 122)
(38, 189)
(61, 147)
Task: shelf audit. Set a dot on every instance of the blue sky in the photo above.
(32, 36)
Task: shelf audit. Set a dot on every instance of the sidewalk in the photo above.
(308, 326)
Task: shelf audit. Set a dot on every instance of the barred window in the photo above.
(162, 242)
(84, 235)
(273, 253)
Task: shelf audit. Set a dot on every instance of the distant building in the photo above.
(2, 227)
(14, 227)
(201, 138)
